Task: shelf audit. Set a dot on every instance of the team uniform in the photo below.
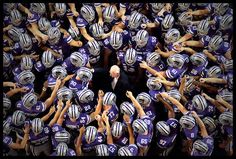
(209, 110)
(209, 141)
(82, 120)
(122, 141)
(100, 138)
(113, 113)
(77, 85)
(70, 152)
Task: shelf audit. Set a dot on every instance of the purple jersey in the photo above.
(194, 70)
(87, 107)
(18, 50)
(126, 38)
(76, 85)
(41, 138)
(174, 73)
(149, 47)
(7, 140)
(131, 7)
(227, 130)
(225, 47)
(205, 40)
(209, 110)
(154, 93)
(51, 81)
(56, 128)
(91, 58)
(150, 110)
(167, 141)
(127, 68)
(82, 120)
(39, 66)
(133, 149)
(209, 141)
(112, 149)
(122, 141)
(98, 140)
(192, 30)
(113, 113)
(35, 17)
(191, 134)
(70, 152)
(62, 47)
(145, 140)
(82, 23)
(36, 109)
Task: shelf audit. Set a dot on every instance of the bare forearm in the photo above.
(215, 80)
(131, 135)
(24, 141)
(12, 92)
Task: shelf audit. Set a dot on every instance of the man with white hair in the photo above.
(119, 83)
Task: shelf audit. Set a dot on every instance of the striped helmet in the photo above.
(87, 13)
(153, 59)
(141, 38)
(94, 48)
(214, 71)
(209, 124)
(48, 59)
(18, 118)
(185, 19)
(226, 22)
(200, 146)
(198, 59)
(26, 77)
(26, 63)
(174, 93)
(109, 14)
(90, 133)
(64, 93)
(189, 86)
(6, 59)
(60, 9)
(62, 149)
(124, 151)
(75, 34)
(163, 128)
(77, 59)
(6, 127)
(215, 43)
(199, 102)
(39, 8)
(85, 95)
(152, 84)
(168, 22)
(37, 125)
(73, 112)
(25, 41)
(96, 30)
(183, 6)
(130, 56)
(135, 20)
(176, 60)
(8, 7)
(144, 99)
(227, 95)
(109, 98)
(228, 65)
(54, 35)
(172, 36)
(116, 40)
(84, 74)
(29, 100)
(156, 7)
(226, 118)
(102, 150)
(6, 103)
(44, 24)
(16, 17)
(203, 27)
(139, 126)
(62, 136)
(59, 71)
(117, 129)
(221, 8)
(187, 122)
(127, 108)
(14, 33)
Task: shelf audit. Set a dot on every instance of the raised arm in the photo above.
(174, 101)
(50, 100)
(108, 128)
(101, 125)
(213, 80)
(130, 130)
(200, 124)
(138, 107)
(224, 103)
(61, 117)
(47, 116)
(56, 116)
(15, 91)
(161, 75)
(79, 142)
(171, 113)
(214, 102)
(99, 105)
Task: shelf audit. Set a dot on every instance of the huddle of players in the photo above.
(185, 49)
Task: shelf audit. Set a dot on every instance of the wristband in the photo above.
(44, 89)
